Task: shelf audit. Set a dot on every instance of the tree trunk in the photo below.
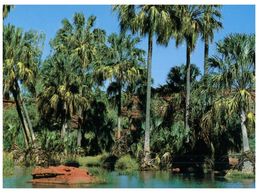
(206, 54)
(212, 152)
(79, 137)
(22, 119)
(24, 110)
(148, 99)
(64, 128)
(119, 113)
(244, 131)
(187, 106)
(28, 120)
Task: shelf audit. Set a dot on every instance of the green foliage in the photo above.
(11, 129)
(8, 164)
(127, 164)
(252, 143)
(93, 161)
(171, 139)
(52, 142)
(235, 174)
(98, 128)
(101, 174)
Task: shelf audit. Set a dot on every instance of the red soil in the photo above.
(61, 175)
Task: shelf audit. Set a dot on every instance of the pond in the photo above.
(144, 179)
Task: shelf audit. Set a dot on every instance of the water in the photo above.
(145, 179)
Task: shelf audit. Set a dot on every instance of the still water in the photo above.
(145, 179)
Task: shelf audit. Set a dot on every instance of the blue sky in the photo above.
(47, 19)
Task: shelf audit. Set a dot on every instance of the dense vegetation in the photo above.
(93, 94)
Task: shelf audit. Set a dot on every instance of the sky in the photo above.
(47, 19)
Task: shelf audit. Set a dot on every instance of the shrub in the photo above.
(92, 161)
(127, 163)
(12, 133)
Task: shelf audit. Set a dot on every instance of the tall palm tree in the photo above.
(234, 76)
(21, 57)
(191, 27)
(210, 22)
(124, 60)
(147, 20)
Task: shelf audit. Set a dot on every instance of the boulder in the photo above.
(61, 175)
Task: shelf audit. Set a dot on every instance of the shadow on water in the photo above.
(143, 179)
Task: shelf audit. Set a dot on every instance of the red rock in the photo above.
(61, 175)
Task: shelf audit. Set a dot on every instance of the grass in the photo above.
(126, 165)
(92, 161)
(235, 174)
(100, 173)
(8, 164)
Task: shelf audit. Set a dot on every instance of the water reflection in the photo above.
(144, 179)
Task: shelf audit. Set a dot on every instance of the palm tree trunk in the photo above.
(148, 99)
(24, 109)
(22, 119)
(79, 137)
(64, 127)
(187, 106)
(119, 113)
(244, 131)
(206, 55)
(28, 119)
(79, 134)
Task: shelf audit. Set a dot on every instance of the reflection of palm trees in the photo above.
(147, 175)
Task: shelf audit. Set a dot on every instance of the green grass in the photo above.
(8, 164)
(126, 165)
(101, 174)
(235, 174)
(92, 161)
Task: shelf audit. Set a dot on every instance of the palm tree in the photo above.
(147, 20)
(6, 10)
(191, 27)
(67, 73)
(173, 93)
(234, 76)
(22, 53)
(61, 95)
(124, 60)
(210, 22)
